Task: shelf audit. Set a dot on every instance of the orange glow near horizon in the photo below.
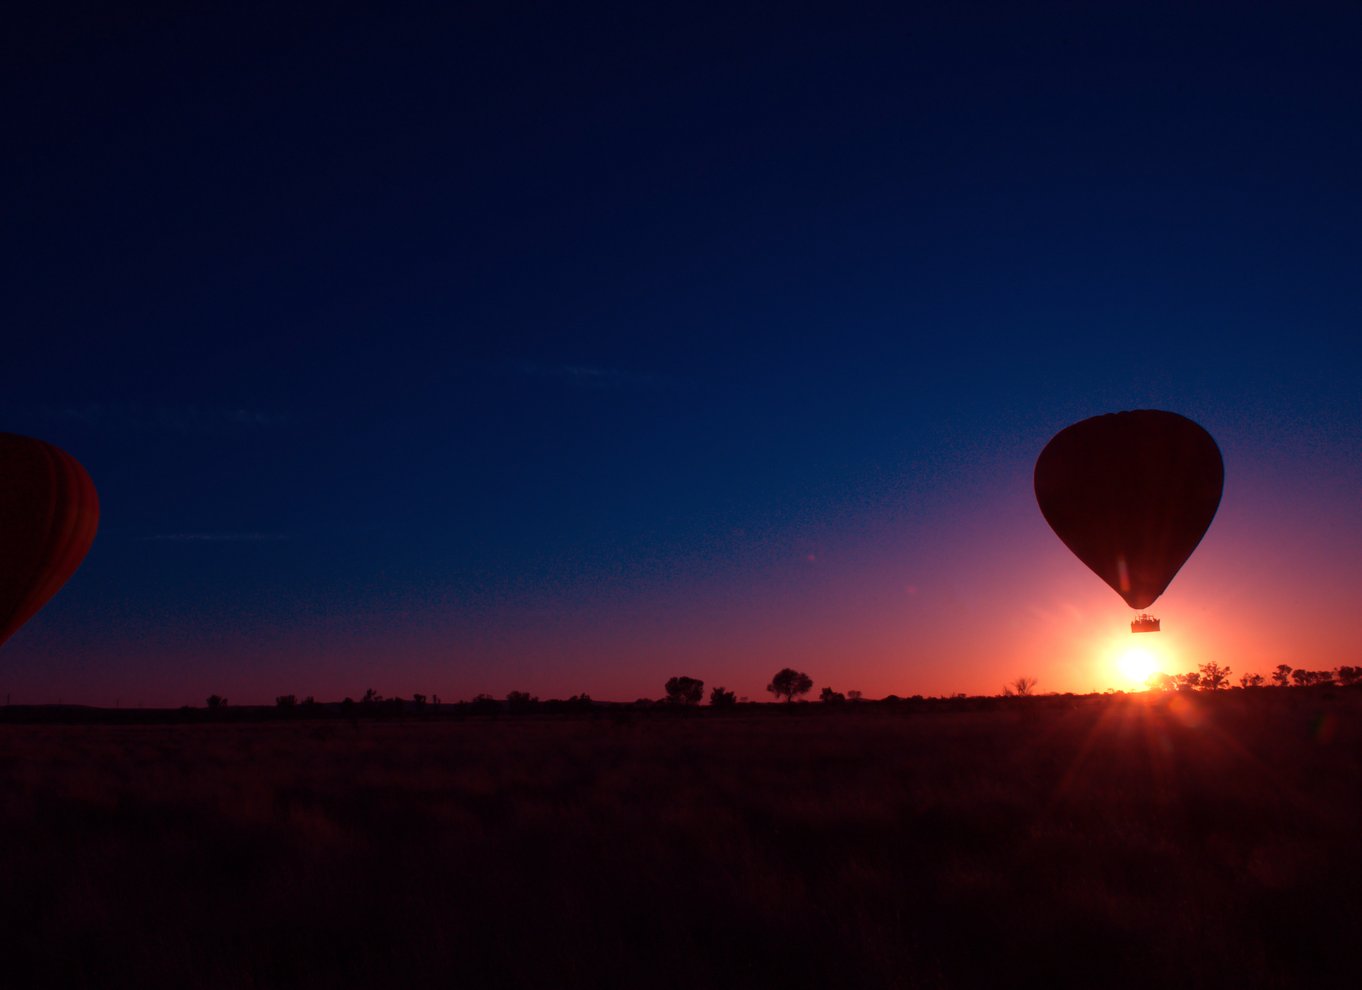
(964, 600)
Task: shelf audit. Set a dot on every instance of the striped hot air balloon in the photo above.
(48, 516)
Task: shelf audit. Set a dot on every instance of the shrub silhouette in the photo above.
(685, 690)
(831, 697)
(215, 702)
(790, 682)
(286, 701)
(521, 701)
(722, 698)
(1019, 688)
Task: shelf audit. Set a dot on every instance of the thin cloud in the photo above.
(187, 419)
(591, 376)
(217, 537)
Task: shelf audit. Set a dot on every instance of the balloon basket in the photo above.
(1144, 623)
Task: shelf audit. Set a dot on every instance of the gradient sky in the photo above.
(513, 347)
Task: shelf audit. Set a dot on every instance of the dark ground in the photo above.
(1117, 841)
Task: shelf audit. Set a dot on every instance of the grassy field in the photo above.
(1128, 841)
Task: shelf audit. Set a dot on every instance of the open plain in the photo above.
(1112, 840)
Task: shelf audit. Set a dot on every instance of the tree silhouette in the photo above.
(1250, 680)
(1213, 676)
(685, 690)
(216, 702)
(286, 701)
(831, 697)
(853, 695)
(1282, 675)
(721, 697)
(1020, 688)
(790, 682)
(1349, 675)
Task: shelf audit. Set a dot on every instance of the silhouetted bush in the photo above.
(216, 702)
(1162, 682)
(484, 704)
(722, 698)
(685, 690)
(831, 697)
(520, 701)
(286, 701)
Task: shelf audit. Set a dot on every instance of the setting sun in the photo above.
(1136, 662)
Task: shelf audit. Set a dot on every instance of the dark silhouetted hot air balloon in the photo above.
(48, 516)
(1131, 494)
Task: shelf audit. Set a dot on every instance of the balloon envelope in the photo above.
(1131, 494)
(48, 516)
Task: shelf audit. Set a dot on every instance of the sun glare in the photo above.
(1135, 662)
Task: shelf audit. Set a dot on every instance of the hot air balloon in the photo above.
(48, 516)
(1131, 494)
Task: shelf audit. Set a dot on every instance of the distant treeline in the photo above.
(682, 694)
(1214, 677)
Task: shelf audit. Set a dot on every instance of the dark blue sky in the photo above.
(488, 319)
